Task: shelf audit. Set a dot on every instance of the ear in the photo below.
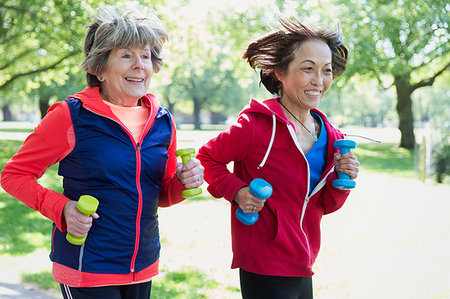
(279, 74)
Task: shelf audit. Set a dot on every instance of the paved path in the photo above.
(19, 291)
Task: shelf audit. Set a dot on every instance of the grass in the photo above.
(17, 130)
(186, 283)
(43, 279)
(386, 158)
(23, 230)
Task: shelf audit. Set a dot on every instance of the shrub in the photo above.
(441, 161)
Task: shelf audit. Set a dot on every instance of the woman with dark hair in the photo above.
(289, 143)
(115, 142)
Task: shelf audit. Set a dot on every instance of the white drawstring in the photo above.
(274, 126)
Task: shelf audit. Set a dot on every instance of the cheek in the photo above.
(327, 83)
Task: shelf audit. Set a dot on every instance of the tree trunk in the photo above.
(405, 115)
(43, 105)
(7, 115)
(197, 107)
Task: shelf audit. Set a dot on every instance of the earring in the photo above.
(100, 78)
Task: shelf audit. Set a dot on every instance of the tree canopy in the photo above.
(401, 46)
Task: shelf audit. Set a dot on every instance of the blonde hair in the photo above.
(276, 50)
(121, 28)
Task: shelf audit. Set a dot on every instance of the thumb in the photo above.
(337, 156)
(95, 216)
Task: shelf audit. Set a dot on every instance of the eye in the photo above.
(126, 55)
(308, 68)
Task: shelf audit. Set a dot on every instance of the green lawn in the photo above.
(386, 158)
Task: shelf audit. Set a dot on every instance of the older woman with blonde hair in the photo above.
(288, 142)
(115, 142)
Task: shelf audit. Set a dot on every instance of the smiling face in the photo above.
(127, 76)
(308, 76)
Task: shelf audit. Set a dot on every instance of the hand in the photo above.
(190, 174)
(347, 163)
(77, 223)
(248, 202)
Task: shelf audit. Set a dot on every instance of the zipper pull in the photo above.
(138, 146)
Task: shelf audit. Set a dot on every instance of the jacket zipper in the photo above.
(139, 212)
(316, 189)
(138, 184)
(305, 203)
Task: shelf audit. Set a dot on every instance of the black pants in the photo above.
(256, 286)
(129, 291)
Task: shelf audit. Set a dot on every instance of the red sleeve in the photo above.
(52, 140)
(332, 199)
(228, 146)
(171, 186)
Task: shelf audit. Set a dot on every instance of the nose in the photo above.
(317, 79)
(138, 63)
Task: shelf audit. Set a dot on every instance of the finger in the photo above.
(193, 163)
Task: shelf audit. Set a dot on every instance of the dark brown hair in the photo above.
(276, 50)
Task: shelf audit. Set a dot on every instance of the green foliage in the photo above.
(395, 37)
(441, 161)
(386, 158)
(400, 43)
(43, 280)
(186, 284)
(22, 230)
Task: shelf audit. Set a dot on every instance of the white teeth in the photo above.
(312, 93)
(134, 79)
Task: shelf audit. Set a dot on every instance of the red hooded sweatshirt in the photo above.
(285, 240)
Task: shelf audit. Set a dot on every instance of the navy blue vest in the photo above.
(126, 180)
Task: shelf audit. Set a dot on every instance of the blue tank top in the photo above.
(317, 155)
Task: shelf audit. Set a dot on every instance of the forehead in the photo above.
(316, 51)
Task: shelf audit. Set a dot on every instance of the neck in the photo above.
(295, 114)
(119, 102)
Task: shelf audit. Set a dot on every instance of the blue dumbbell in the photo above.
(261, 189)
(344, 182)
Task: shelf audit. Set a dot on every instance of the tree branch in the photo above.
(380, 83)
(24, 53)
(42, 69)
(429, 81)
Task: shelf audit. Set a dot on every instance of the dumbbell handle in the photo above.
(186, 154)
(344, 176)
(344, 181)
(262, 190)
(87, 205)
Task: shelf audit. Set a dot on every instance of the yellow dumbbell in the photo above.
(87, 205)
(186, 155)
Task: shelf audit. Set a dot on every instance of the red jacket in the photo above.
(285, 240)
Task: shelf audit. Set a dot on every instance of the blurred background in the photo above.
(395, 89)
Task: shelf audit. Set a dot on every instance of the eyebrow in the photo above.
(308, 60)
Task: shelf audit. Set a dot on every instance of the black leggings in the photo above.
(129, 291)
(256, 286)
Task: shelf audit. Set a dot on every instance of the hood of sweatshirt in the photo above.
(273, 109)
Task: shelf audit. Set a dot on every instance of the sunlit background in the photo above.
(390, 240)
